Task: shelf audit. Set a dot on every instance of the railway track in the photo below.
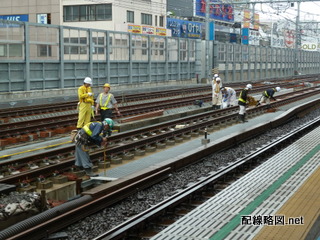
(127, 144)
(147, 224)
(98, 199)
(122, 99)
(50, 125)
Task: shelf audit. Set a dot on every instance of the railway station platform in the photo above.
(277, 200)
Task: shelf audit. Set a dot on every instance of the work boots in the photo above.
(244, 118)
(241, 118)
(90, 173)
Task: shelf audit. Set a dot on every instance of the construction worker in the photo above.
(90, 135)
(105, 102)
(243, 102)
(216, 93)
(266, 95)
(86, 102)
(229, 97)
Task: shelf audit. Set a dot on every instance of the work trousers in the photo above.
(84, 114)
(216, 99)
(242, 110)
(264, 99)
(82, 158)
(229, 102)
(107, 113)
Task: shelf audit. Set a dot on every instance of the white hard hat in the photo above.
(88, 80)
(249, 86)
(216, 75)
(218, 79)
(278, 89)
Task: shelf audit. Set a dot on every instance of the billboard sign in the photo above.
(183, 28)
(21, 18)
(223, 12)
(245, 36)
(134, 28)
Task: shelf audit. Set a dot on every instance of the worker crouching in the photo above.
(229, 97)
(90, 135)
(267, 95)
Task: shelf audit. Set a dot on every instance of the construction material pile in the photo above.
(17, 206)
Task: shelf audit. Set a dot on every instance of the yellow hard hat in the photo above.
(107, 85)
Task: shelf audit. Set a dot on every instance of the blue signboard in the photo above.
(183, 28)
(245, 36)
(21, 18)
(223, 12)
(233, 37)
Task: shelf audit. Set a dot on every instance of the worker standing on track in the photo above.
(105, 102)
(266, 95)
(243, 102)
(86, 102)
(87, 136)
(229, 97)
(216, 93)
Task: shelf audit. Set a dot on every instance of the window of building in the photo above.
(87, 13)
(130, 16)
(3, 51)
(146, 19)
(97, 12)
(144, 47)
(104, 12)
(44, 51)
(161, 21)
(156, 20)
(11, 50)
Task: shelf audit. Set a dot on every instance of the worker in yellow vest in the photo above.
(106, 102)
(89, 135)
(242, 102)
(86, 103)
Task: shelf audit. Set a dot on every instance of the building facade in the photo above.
(114, 15)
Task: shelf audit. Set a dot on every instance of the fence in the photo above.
(36, 56)
(251, 63)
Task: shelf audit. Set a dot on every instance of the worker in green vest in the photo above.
(105, 103)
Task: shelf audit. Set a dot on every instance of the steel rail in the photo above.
(63, 106)
(55, 122)
(155, 134)
(104, 200)
(149, 215)
(125, 99)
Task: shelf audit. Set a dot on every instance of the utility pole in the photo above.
(208, 72)
(298, 39)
